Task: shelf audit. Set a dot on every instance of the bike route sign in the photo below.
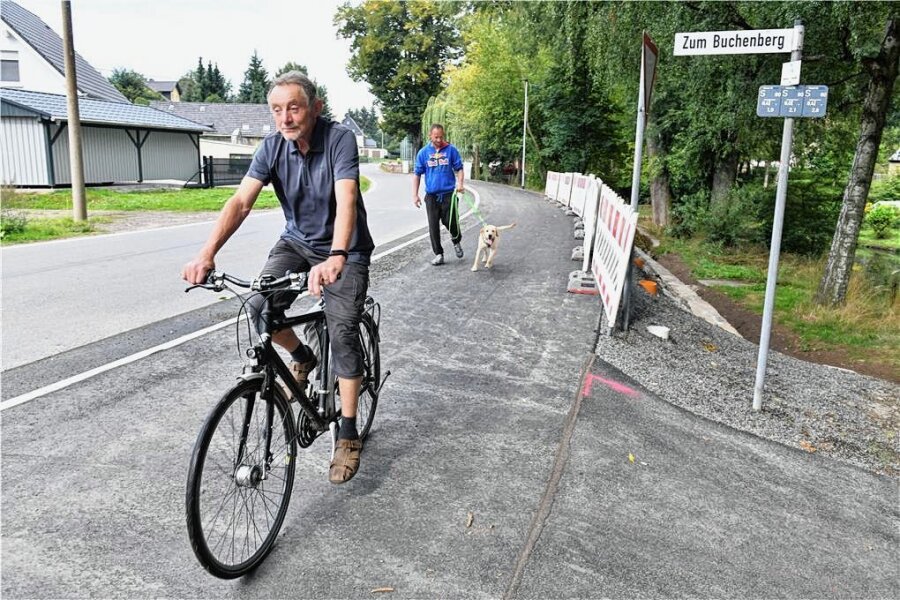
(795, 101)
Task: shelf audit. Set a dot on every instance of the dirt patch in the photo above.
(782, 339)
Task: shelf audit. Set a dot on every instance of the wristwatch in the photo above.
(343, 253)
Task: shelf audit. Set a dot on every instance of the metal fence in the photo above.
(224, 171)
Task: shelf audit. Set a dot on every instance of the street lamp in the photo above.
(524, 128)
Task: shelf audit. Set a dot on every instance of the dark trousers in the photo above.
(344, 302)
(437, 207)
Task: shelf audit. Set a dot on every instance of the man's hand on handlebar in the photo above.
(325, 273)
(195, 272)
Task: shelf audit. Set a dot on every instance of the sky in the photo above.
(162, 39)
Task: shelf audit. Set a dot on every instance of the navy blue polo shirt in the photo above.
(305, 186)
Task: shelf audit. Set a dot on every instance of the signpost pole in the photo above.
(787, 141)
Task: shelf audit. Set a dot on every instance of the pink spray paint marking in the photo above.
(614, 385)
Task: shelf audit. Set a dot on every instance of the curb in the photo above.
(684, 295)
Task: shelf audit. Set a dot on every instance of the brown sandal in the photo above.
(345, 463)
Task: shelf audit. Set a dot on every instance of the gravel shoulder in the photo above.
(710, 372)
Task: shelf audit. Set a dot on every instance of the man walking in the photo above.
(442, 166)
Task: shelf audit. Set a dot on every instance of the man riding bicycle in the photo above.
(313, 166)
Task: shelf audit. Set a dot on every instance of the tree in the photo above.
(133, 86)
(255, 86)
(204, 84)
(882, 71)
(400, 49)
(292, 66)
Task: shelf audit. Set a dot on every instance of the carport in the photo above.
(121, 143)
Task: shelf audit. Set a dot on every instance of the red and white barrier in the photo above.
(579, 193)
(552, 185)
(565, 188)
(591, 204)
(616, 223)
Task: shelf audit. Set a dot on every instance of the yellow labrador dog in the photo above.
(488, 241)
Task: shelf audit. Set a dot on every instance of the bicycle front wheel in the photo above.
(240, 480)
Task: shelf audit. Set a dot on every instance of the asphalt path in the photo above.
(62, 295)
(500, 465)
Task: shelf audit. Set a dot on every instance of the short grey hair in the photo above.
(296, 78)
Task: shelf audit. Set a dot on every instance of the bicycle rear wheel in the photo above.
(237, 493)
(368, 397)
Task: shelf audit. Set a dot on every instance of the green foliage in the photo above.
(737, 221)
(175, 200)
(882, 219)
(690, 215)
(205, 84)
(47, 229)
(810, 214)
(133, 86)
(885, 189)
(400, 49)
(255, 86)
(12, 222)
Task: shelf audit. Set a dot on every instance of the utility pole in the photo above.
(76, 162)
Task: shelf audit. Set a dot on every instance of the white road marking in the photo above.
(64, 383)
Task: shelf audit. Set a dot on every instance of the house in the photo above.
(33, 59)
(894, 164)
(121, 142)
(234, 129)
(366, 146)
(170, 90)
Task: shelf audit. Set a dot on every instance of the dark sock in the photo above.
(348, 429)
(302, 353)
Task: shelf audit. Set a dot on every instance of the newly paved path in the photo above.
(496, 413)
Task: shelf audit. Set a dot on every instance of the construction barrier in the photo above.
(591, 204)
(579, 193)
(616, 224)
(552, 185)
(565, 188)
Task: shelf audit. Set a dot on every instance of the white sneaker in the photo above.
(438, 260)
(459, 250)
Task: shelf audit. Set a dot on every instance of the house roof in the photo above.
(895, 157)
(252, 120)
(49, 45)
(162, 86)
(97, 112)
(350, 123)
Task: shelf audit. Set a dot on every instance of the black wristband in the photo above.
(343, 253)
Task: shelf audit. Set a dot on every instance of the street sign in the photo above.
(790, 73)
(815, 100)
(748, 41)
(792, 101)
(769, 102)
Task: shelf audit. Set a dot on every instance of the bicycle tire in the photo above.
(250, 540)
(368, 397)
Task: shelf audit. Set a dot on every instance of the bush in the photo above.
(810, 214)
(689, 215)
(882, 219)
(886, 188)
(12, 222)
(736, 221)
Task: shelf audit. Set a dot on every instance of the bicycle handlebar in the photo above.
(215, 280)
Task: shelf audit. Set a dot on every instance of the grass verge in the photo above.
(866, 327)
(16, 228)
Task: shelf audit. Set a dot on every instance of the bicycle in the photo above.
(242, 467)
